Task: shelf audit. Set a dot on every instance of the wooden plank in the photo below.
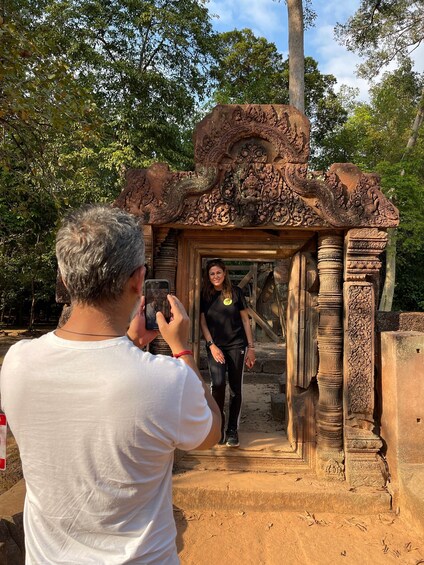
(246, 278)
(264, 325)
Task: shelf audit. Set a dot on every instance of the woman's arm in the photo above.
(250, 355)
(214, 349)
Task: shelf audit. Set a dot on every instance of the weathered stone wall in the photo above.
(400, 322)
(402, 419)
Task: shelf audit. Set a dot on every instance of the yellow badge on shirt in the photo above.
(227, 301)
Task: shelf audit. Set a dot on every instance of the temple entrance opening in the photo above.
(253, 201)
(277, 429)
(263, 414)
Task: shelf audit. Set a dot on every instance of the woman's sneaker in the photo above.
(232, 438)
(223, 440)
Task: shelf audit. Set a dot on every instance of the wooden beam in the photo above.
(264, 325)
(246, 278)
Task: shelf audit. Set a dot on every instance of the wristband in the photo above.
(181, 353)
(250, 346)
(209, 343)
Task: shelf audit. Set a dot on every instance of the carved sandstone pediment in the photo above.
(251, 170)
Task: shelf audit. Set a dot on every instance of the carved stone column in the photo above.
(330, 343)
(364, 465)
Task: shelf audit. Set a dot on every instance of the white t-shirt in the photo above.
(97, 424)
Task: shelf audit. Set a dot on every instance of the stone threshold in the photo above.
(269, 492)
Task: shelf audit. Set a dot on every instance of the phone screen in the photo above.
(155, 292)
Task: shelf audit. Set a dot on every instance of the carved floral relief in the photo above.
(251, 170)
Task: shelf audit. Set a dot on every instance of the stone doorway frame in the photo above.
(251, 245)
(252, 174)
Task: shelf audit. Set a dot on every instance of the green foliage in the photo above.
(88, 88)
(404, 181)
(145, 62)
(383, 31)
(252, 71)
(375, 137)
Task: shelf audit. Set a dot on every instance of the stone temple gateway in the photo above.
(252, 197)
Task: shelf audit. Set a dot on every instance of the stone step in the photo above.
(247, 491)
(258, 452)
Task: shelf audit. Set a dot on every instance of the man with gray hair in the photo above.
(97, 419)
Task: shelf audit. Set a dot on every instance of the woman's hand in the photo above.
(217, 354)
(250, 358)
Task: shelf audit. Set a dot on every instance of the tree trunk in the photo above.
(388, 292)
(32, 312)
(419, 118)
(296, 55)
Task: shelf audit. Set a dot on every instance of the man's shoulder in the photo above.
(164, 366)
(24, 344)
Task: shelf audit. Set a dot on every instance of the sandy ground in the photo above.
(283, 538)
(290, 538)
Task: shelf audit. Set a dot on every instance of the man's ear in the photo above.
(137, 279)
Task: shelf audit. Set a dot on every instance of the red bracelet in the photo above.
(181, 353)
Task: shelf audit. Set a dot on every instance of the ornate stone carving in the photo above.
(362, 250)
(359, 349)
(364, 465)
(283, 127)
(157, 194)
(251, 170)
(344, 196)
(252, 193)
(330, 342)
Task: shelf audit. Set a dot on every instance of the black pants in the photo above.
(234, 364)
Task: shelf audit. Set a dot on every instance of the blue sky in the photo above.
(268, 18)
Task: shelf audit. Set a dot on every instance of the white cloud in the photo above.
(264, 17)
(335, 11)
(268, 18)
(335, 59)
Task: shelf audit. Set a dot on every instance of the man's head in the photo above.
(98, 248)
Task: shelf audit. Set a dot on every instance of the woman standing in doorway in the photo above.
(225, 325)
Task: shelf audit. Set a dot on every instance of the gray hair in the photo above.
(98, 248)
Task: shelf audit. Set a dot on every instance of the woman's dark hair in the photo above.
(208, 289)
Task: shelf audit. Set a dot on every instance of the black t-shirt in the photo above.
(223, 319)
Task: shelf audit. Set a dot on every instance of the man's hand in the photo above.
(175, 333)
(137, 332)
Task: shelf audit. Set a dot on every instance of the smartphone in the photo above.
(155, 292)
